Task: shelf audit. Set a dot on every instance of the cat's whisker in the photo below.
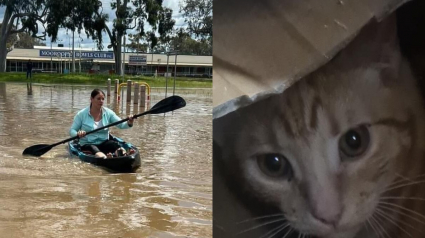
(383, 215)
(403, 198)
(288, 232)
(392, 187)
(403, 208)
(410, 179)
(402, 213)
(261, 225)
(402, 179)
(362, 209)
(380, 227)
(407, 179)
(261, 217)
(366, 224)
(275, 230)
(375, 230)
(371, 223)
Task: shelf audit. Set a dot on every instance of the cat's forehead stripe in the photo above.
(301, 112)
(314, 116)
(334, 124)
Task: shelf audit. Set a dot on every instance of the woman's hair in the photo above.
(95, 92)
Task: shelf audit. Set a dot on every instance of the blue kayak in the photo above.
(122, 164)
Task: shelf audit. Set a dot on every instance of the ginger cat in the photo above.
(339, 154)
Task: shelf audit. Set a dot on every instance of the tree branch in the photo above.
(130, 28)
(19, 15)
(41, 37)
(17, 31)
(107, 29)
(14, 16)
(6, 21)
(33, 5)
(135, 24)
(44, 13)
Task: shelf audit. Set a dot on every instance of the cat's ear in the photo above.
(225, 128)
(377, 46)
(388, 58)
(219, 132)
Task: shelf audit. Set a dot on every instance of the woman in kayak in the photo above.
(93, 117)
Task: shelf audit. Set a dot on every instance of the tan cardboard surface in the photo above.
(262, 47)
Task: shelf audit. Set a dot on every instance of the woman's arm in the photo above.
(76, 125)
(115, 118)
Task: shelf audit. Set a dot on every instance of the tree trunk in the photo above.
(3, 53)
(117, 60)
(117, 45)
(118, 57)
(3, 39)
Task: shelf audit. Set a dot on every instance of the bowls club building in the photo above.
(59, 59)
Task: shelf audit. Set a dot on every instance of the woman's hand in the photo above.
(130, 120)
(81, 133)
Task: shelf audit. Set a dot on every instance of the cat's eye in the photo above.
(354, 142)
(275, 165)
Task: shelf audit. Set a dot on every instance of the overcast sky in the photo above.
(89, 43)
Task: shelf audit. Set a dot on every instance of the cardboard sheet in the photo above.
(263, 47)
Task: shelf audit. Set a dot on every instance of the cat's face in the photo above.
(323, 152)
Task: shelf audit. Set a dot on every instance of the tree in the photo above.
(27, 42)
(12, 40)
(18, 12)
(198, 16)
(199, 19)
(135, 44)
(166, 25)
(184, 44)
(26, 15)
(75, 15)
(21, 40)
(133, 15)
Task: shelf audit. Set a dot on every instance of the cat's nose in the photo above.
(325, 203)
(329, 217)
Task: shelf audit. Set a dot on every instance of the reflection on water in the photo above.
(55, 196)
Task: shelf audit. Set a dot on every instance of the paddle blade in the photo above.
(37, 150)
(168, 104)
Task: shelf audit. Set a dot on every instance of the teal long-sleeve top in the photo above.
(83, 120)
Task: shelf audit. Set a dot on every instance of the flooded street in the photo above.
(54, 195)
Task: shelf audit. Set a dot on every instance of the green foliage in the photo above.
(135, 44)
(56, 14)
(74, 15)
(198, 16)
(25, 13)
(133, 15)
(86, 79)
(151, 39)
(196, 39)
(26, 41)
(166, 24)
(185, 44)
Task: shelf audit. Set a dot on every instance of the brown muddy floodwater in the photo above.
(58, 196)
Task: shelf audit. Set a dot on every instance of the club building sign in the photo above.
(137, 60)
(85, 54)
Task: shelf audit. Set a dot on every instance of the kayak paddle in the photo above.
(165, 105)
